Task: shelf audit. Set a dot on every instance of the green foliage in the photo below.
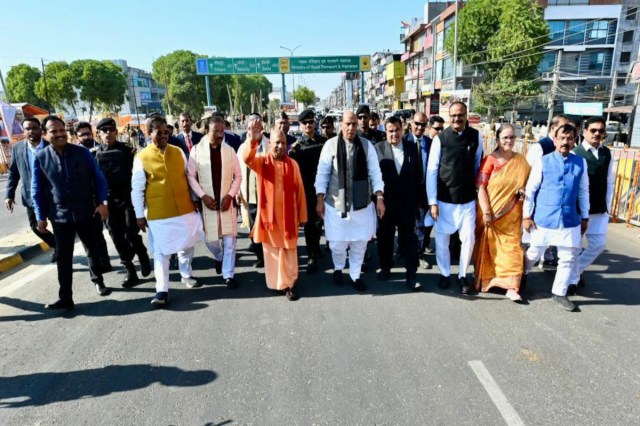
(101, 83)
(21, 82)
(304, 95)
(186, 91)
(59, 85)
(504, 39)
(244, 86)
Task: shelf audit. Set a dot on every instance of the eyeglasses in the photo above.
(419, 124)
(107, 129)
(363, 117)
(592, 131)
(437, 129)
(307, 122)
(326, 127)
(457, 115)
(82, 135)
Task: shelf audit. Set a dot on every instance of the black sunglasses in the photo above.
(307, 122)
(107, 129)
(419, 124)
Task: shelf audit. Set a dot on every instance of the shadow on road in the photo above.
(39, 389)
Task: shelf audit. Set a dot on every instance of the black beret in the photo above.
(106, 122)
(363, 109)
(307, 114)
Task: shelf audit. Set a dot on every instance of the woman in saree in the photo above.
(501, 181)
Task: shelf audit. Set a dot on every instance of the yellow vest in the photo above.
(167, 192)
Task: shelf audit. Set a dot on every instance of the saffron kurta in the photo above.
(498, 254)
(281, 259)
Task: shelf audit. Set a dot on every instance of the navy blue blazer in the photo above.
(20, 169)
(195, 137)
(403, 192)
(233, 140)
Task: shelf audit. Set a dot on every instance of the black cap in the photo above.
(106, 122)
(307, 114)
(363, 109)
(328, 119)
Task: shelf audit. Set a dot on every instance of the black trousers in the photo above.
(255, 247)
(407, 242)
(124, 231)
(33, 224)
(102, 256)
(65, 234)
(312, 233)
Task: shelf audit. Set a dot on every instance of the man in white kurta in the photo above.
(214, 176)
(249, 188)
(349, 215)
(162, 201)
(601, 181)
(556, 209)
(454, 161)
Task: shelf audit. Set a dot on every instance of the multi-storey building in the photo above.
(144, 94)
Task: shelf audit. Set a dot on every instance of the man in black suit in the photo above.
(230, 138)
(404, 195)
(22, 155)
(374, 135)
(423, 140)
(188, 136)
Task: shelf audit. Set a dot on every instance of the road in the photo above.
(17, 221)
(388, 356)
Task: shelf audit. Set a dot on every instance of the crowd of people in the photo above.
(350, 180)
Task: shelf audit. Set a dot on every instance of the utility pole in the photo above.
(284, 90)
(554, 86)
(46, 88)
(293, 76)
(614, 86)
(4, 88)
(208, 85)
(455, 48)
(135, 101)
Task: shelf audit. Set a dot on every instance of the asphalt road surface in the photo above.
(16, 221)
(389, 356)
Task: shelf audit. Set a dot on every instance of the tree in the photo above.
(185, 90)
(304, 95)
(246, 86)
(505, 40)
(101, 83)
(58, 88)
(21, 82)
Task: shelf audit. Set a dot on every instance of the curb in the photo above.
(26, 253)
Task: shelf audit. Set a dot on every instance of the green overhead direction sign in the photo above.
(283, 65)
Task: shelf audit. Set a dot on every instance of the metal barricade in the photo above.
(625, 205)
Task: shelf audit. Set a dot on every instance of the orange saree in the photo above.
(498, 255)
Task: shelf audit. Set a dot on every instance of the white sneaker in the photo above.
(190, 282)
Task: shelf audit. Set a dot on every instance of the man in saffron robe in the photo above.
(282, 208)
(214, 176)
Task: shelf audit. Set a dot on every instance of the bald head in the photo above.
(277, 143)
(349, 125)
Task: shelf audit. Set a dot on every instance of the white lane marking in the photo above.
(41, 270)
(510, 415)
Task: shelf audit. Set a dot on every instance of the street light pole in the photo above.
(293, 77)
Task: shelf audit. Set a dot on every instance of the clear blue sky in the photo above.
(139, 31)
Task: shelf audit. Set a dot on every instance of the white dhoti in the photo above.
(567, 242)
(452, 218)
(596, 242)
(352, 232)
(173, 235)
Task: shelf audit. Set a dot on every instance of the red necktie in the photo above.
(187, 139)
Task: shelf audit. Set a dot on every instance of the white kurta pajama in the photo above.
(220, 227)
(566, 240)
(596, 233)
(359, 227)
(451, 217)
(166, 236)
